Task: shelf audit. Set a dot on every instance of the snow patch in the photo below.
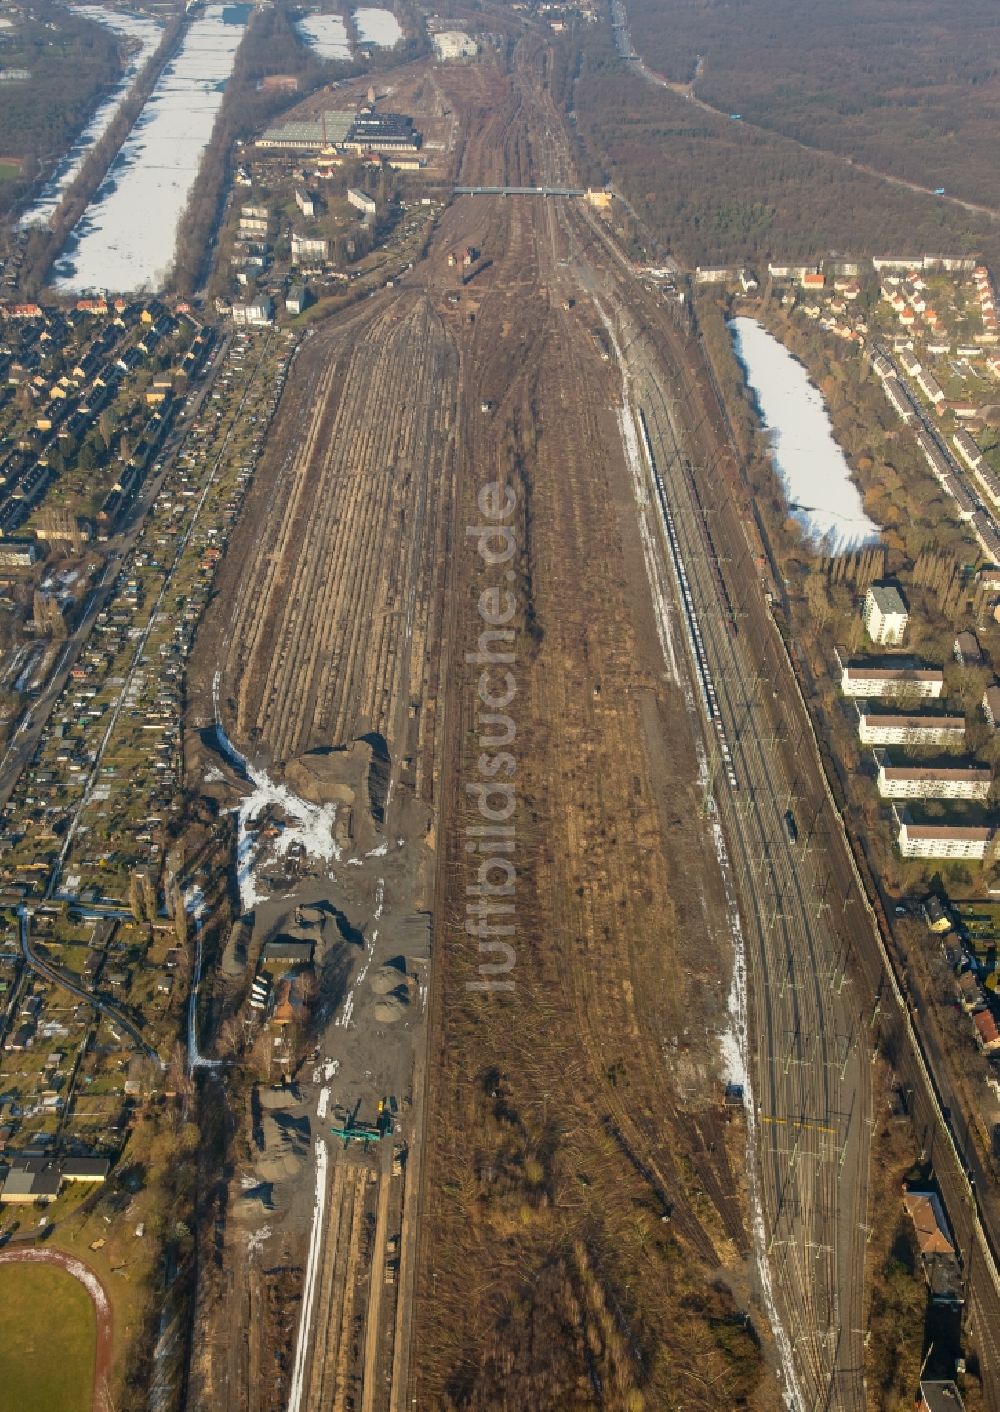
(378, 27)
(662, 601)
(125, 239)
(256, 1239)
(326, 35)
(813, 471)
(144, 33)
(734, 1044)
(311, 826)
(309, 1286)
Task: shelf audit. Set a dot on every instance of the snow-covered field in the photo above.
(141, 30)
(378, 27)
(816, 478)
(326, 34)
(125, 239)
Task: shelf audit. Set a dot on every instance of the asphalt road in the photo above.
(111, 1013)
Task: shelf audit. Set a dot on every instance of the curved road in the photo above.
(623, 43)
(110, 1012)
(102, 1310)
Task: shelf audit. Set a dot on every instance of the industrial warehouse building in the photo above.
(31, 1179)
(454, 44)
(330, 129)
(382, 132)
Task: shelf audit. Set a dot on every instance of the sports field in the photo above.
(9, 170)
(47, 1336)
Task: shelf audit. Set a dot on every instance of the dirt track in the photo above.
(102, 1310)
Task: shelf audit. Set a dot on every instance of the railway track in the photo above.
(810, 1203)
(331, 628)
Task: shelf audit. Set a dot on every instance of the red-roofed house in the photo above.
(986, 1027)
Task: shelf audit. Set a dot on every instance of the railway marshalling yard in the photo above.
(481, 623)
(452, 561)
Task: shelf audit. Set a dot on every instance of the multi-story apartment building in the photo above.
(886, 728)
(885, 614)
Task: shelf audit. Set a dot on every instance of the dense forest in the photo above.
(713, 191)
(910, 87)
(72, 61)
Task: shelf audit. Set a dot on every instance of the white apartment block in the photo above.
(259, 314)
(934, 840)
(867, 679)
(306, 247)
(909, 781)
(885, 614)
(886, 729)
(361, 201)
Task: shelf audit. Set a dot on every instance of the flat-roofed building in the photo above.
(85, 1169)
(935, 839)
(329, 130)
(875, 679)
(908, 780)
(968, 653)
(939, 1395)
(258, 314)
(890, 728)
(309, 247)
(991, 704)
(361, 201)
(885, 614)
(454, 44)
(18, 553)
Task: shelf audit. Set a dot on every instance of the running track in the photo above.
(99, 1299)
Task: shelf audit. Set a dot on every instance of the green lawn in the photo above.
(9, 171)
(47, 1334)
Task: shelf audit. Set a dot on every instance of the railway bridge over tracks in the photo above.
(519, 191)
